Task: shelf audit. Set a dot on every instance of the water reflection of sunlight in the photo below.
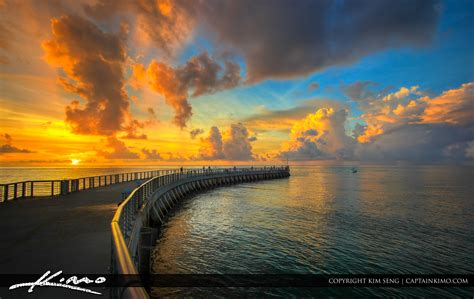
(328, 220)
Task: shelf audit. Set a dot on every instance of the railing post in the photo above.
(5, 193)
(64, 187)
(31, 189)
(15, 190)
(52, 188)
(23, 191)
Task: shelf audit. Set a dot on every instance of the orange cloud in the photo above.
(400, 94)
(8, 148)
(282, 120)
(319, 135)
(118, 150)
(369, 133)
(455, 106)
(152, 154)
(211, 146)
(199, 75)
(165, 23)
(164, 81)
(93, 62)
(410, 106)
(233, 144)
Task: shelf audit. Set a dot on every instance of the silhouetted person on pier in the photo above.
(181, 169)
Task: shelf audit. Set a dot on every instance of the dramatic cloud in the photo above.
(320, 135)
(167, 24)
(235, 145)
(382, 109)
(119, 150)
(454, 106)
(211, 146)
(285, 39)
(401, 94)
(8, 148)
(406, 124)
(294, 38)
(410, 106)
(409, 125)
(194, 133)
(151, 154)
(199, 75)
(93, 62)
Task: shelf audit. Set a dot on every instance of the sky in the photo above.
(235, 82)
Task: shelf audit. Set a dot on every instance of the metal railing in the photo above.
(128, 218)
(39, 188)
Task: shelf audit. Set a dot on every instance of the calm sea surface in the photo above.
(383, 219)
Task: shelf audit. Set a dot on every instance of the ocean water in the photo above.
(326, 219)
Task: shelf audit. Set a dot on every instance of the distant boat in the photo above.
(354, 170)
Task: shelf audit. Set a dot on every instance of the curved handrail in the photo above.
(54, 187)
(126, 222)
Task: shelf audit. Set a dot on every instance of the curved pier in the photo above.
(133, 231)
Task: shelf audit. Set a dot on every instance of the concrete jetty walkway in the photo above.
(69, 233)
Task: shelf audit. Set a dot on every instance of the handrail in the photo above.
(38, 188)
(127, 221)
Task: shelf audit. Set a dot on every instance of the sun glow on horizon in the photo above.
(75, 161)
